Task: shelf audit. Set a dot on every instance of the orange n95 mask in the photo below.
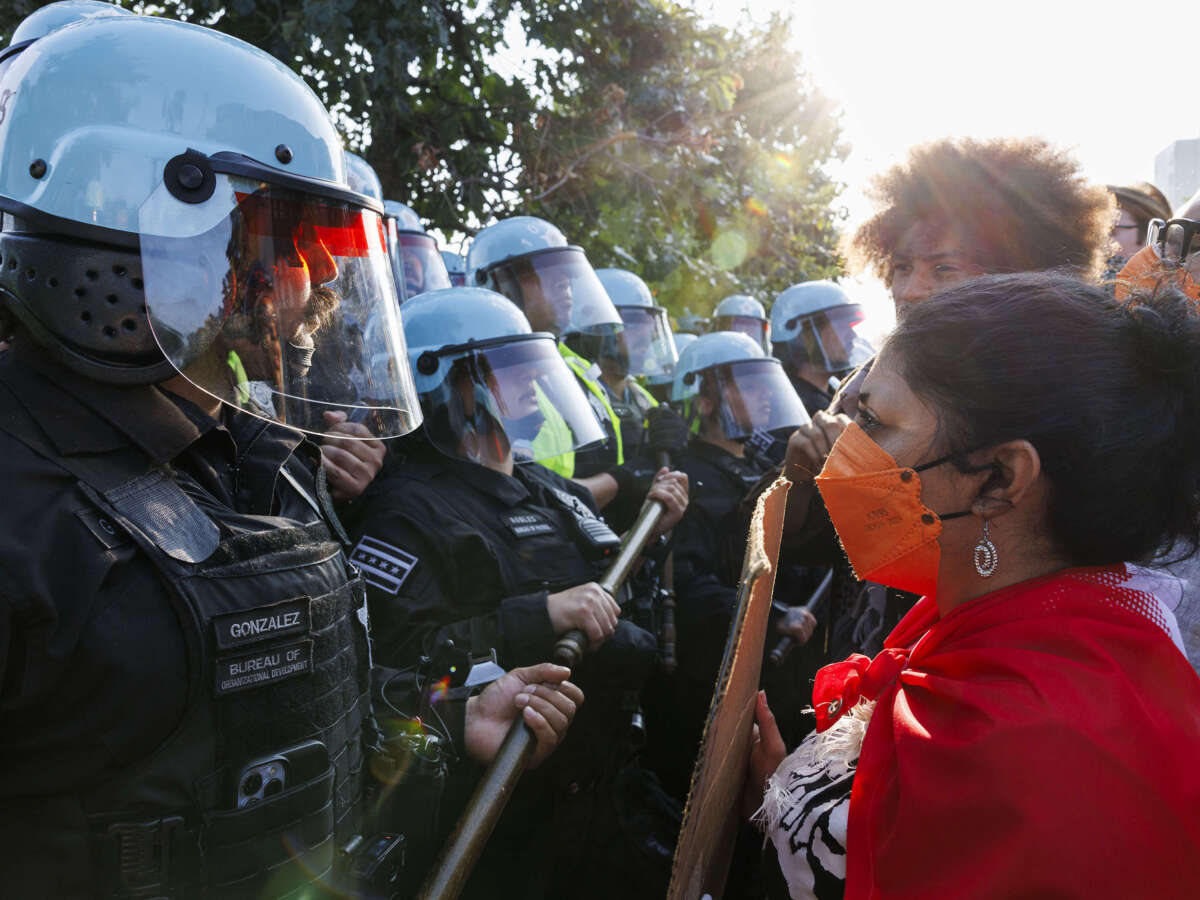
(889, 535)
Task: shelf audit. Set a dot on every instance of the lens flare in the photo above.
(440, 690)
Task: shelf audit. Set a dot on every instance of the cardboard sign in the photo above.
(710, 818)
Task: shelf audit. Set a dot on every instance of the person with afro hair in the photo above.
(956, 209)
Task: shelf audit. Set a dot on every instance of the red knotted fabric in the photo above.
(1040, 741)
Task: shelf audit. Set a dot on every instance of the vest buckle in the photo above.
(144, 856)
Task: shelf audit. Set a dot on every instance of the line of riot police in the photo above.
(294, 524)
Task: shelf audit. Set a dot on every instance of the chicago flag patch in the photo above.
(382, 565)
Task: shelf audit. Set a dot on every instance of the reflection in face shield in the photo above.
(414, 275)
(558, 292)
(267, 308)
(549, 300)
(745, 403)
(740, 398)
(280, 294)
(416, 262)
(512, 396)
(479, 436)
(829, 340)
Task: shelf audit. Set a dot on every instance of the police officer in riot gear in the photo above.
(814, 332)
(529, 261)
(416, 261)
(742, 313)
(184, 660)
(726, 390)
(643, 349)
(468, 539)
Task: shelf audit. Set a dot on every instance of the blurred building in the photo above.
(1177, 170)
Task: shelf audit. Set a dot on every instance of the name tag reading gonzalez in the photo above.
(263, 623)
(270, 664)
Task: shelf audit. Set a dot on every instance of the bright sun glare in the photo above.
(1065, 70)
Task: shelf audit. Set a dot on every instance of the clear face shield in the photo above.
(759, 330)
(830, 340)
(644, 347)
(416, 262)
(511, 395)
(748, 396)
(279, 302)
(558, 291)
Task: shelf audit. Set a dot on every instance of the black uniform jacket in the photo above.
(92, 659)
(453, 550)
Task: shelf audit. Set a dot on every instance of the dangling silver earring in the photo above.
(986, 558)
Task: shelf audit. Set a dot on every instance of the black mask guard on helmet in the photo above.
(83, 302)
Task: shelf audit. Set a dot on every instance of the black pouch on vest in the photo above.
(244, 843)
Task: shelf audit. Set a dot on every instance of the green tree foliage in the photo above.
(662, 143)
(691, 155)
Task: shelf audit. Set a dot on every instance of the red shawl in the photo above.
(1040, 741)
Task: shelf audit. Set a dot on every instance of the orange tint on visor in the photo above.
(341, 230)
(889, 535)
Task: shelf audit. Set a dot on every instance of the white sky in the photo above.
(1080, 74)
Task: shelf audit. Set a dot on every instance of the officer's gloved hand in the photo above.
(666, 431)
(540, 694)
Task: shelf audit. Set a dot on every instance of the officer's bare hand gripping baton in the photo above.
(785, 644)
(491, 796)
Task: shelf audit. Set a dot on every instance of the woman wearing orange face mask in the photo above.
(1032, 726)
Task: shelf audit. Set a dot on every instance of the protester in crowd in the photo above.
(1172, 256)
(1031, 727)
(954, 210)
(1173, 259)
(1137, 204)
(726, 389)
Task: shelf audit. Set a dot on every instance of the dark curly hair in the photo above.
(1020, 204)
(1107, 391)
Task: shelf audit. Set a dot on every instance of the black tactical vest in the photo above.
(262, 779)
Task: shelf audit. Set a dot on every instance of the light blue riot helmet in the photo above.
(456, 267)
(725, 377)
(416, 262)
(362, 177)
(158, 225)
(490, 385)
(529, 261)
(741, 312)
(815, 324)
(644, 347)
(52, 17)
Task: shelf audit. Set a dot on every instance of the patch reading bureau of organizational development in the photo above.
(271, 664)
